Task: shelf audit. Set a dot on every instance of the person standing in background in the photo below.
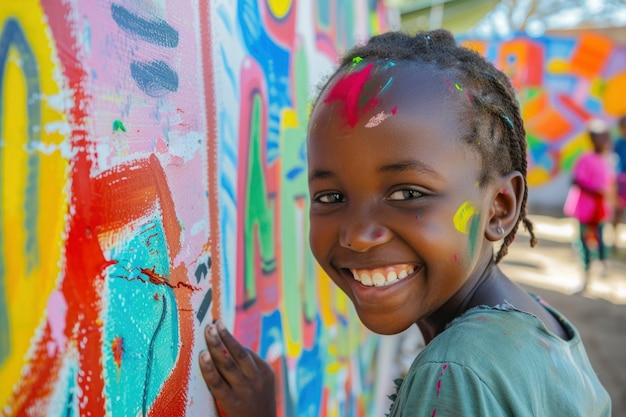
(589, 197)
(620, 201)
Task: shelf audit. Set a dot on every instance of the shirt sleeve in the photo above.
(445, 389)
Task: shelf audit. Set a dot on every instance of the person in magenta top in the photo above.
(620, 202)
(588, 200)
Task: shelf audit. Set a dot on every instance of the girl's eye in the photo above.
(330, 198)
(407, 194)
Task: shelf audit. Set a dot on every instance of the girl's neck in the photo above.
(476, 291)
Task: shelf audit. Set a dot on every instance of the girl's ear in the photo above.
(506, 206)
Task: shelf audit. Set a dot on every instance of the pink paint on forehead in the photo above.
(348, 91)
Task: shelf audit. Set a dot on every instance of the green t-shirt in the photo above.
(498, 361)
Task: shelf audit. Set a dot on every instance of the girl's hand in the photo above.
(241, 382)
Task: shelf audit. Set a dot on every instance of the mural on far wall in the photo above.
(562, 82)
(152, 180)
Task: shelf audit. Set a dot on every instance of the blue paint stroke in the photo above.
(13, 36)
(310, 379)
(151, 358)
(229, 71)
(224, 17)
(155, 78)
(227, 158)
(204, 306)
(156, 31)
(386, 86)
(293, 173)
(274, 60)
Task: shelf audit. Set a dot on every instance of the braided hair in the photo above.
(496, 128)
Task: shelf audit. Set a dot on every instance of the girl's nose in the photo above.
(361, 236)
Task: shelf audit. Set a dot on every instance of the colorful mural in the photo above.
(562, 83)
(152, 180)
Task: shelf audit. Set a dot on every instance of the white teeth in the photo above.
(378, 278)
(366, 280)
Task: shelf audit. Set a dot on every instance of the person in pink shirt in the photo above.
(588, 200)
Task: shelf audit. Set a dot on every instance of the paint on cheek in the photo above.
(463, 216)
(473, 234)
(348, 92)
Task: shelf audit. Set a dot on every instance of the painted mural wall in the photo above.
(562, 82)
(152, 179)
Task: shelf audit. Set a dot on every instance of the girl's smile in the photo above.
(386, 196)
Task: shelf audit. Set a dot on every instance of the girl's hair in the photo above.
(495, 129)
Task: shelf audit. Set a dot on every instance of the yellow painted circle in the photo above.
(279, 8)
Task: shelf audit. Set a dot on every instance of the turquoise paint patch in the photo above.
(473, 234)
(144, 316)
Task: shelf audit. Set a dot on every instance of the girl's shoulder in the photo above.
(502, 332)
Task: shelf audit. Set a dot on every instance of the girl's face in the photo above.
(397, 216)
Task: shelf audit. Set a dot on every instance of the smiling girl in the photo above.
(417, 166)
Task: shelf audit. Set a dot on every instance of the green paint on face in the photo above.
(473, 234)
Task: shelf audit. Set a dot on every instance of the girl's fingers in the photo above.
(229, 358)
(241, 382)
(242, 356)
(214, 380)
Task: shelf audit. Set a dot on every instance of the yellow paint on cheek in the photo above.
(463, 216)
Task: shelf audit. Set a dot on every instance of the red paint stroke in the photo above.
(448, 83)
(224, 352)
(117, 346)
(156, 279)
(394, 110)
(434, 413)
(348, 92)
(160, 280)
(455, 257)
(438, 387)
(573, 107)
(213, 175)
(128, 191)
